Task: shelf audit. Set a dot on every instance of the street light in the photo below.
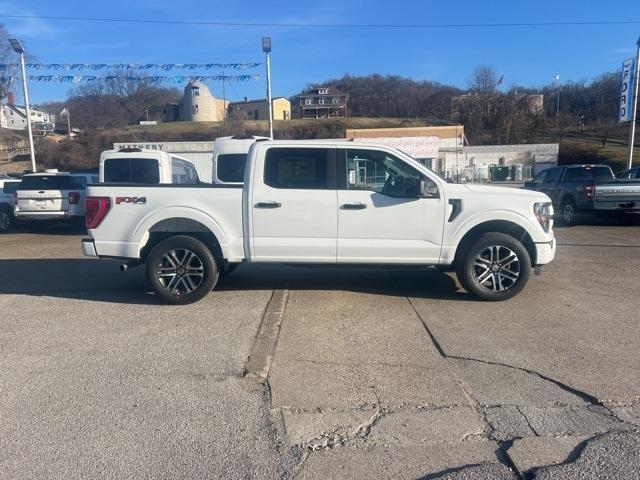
(266, 48)
(17, 47)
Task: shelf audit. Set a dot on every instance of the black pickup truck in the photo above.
(576, 189)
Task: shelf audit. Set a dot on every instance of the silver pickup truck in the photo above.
(578, 189)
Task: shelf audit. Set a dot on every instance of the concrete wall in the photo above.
(510, 154)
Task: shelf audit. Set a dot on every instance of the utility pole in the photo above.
(557, 79)
(266, 48)
(224, 97)
(635, 106)
(68, 123)
(17, 47)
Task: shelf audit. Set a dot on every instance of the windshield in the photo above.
(131, 170)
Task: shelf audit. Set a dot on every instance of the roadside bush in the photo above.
(573, 153)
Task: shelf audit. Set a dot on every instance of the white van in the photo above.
(230, 157)
(135, 165)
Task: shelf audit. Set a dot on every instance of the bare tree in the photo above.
(484, 80)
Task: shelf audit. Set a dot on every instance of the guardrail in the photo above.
(7, 155)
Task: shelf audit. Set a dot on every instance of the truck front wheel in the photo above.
(495, 267)
(181, 270)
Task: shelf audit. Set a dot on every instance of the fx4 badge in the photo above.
(131, 200)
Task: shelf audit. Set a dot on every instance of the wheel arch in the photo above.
(173, 226)
(498, 226)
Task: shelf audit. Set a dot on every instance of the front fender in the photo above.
(523, 221)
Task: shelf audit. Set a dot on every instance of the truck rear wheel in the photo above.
(181, 270)
(495, 267)
(6, 219)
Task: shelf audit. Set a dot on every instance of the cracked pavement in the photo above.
(321, 373)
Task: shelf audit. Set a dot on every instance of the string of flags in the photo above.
(134, 66)
(175, 79)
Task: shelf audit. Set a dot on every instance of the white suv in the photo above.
(52, 195)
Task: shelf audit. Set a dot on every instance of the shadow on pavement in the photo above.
(101, 280)
(51, 228)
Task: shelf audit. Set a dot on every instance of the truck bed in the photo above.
(137, 210)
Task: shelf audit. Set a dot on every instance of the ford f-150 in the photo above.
(322, 202)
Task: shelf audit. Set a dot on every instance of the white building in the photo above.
(197, 105)
(14, 117)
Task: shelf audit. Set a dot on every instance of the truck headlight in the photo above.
(544, 213)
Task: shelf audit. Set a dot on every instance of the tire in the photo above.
(568, 212)
(6, 220)
(483, 272)
(168, 268)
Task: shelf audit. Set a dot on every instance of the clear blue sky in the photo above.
(524, 55)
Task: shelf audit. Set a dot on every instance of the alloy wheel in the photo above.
(568, 212)
(496, 268)
(180, 271)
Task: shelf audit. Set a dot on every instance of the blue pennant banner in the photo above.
(161, 78)
(134, 66)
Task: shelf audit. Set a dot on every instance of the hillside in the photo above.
(84, 152)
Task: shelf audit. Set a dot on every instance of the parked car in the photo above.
(230, 158)
(8, 187)
(323, 202)
(52, 195)
(593, 189)
(631, 174)
(135, 165)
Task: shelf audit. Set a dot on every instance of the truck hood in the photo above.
(507, 192)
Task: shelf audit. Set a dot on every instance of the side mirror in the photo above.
(529, 184)
(428, 189)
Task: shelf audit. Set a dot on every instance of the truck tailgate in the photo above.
(617, 196)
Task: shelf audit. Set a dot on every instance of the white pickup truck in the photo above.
(322, 202)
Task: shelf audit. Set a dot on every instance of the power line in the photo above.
(327, 25)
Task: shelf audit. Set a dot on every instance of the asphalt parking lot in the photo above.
(320, 373)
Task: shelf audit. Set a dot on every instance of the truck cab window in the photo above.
(299, 168)
(383, 173)
(230, 167)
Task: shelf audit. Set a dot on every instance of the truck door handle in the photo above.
(354, 206)
(268, 205)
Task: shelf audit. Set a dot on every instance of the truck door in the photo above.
(550, 185)
(380, 217)
(293, 206)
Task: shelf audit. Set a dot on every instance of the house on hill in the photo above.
(14, 117)
(322, 102)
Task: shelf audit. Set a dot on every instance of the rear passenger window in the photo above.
(303, 168)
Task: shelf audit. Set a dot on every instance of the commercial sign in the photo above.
(629, 69)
